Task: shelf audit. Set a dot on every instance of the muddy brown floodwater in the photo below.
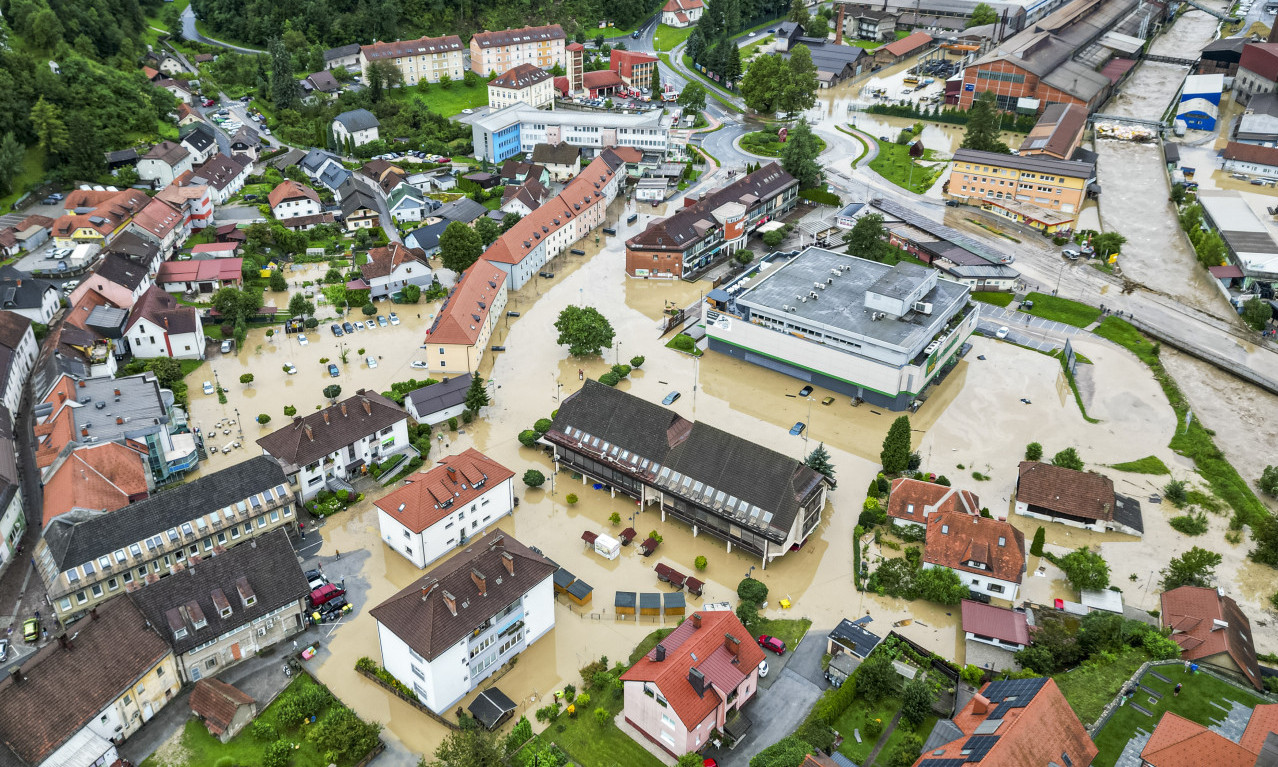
(975, 419)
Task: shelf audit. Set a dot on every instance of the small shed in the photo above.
(580, 592)
(589, 537)
(667, 574)
(224, 709)
(650, 603)
(674, 604)
(607, 547)
(563, 579)
(693, 585)
(491, 707)
(649, 546)
(624, 603)
(841, 667)
(627, 536)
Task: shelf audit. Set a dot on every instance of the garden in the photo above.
(767, 144)
(305, 725)
(896, 162)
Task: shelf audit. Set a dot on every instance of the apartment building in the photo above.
(456, 342)
(500, 51)
(522, 84)
(426, 59)
(1058, 185)
(506, 132)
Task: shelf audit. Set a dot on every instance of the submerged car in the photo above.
(208, 387)
(371, 360)
(670, 398)
(302, 340)
(333, 371)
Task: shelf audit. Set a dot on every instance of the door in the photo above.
(235, 651)
(147, 712)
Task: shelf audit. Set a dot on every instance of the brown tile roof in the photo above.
(219, 170)
(995, 622)
(291, 190)
(422, 46)
(1260, 155)
(1056, 130)
(420, 502)
(690, 224)
(1263, 722)
(462, 317)
(383, 261)
(562, 153)
(377, 169)
(297, 222)
(1037, 727)
(520, 77)
(310, 438)
(78, 315)
(216, 702)
(907, 45)
(601, 78)
(158, 218)
(13, 327)
(914, 499)
(1178, 742)
(420, 615)
(102, 477)
(167, 152)
(518, 36)
(705, 648)
(112, 208)
(955, 540)
(63, 690)
(1079, 494)
(163, 310)
(1193, 612)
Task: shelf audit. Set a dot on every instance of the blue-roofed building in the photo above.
(1200, 101)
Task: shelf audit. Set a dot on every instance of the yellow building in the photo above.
(1045, 182)
(427, 58)
(503, 50)
(455, 344)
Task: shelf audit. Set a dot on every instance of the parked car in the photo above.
(326, 593)
(227, 346)
(394, 318)
(371, 360)
(333, 372)
(209, 102)
(315, 578)
(4, 649)
(302, 339)
(512, 314)
(763, 670)
(290, 369)
(1072, 252)
(31, 629)
(419, 364)
(805, 391)
(359, 325)
(1002, 332)
(772, 644)
(670, 398)
(348, 327)
(828, 401)
(798, 428)
(208, 387)
(381, 320)
(337, 330)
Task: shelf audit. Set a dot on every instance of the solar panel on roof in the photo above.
(978, 746)
(941, 763)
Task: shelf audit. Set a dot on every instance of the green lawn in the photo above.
(789, 630)
(1062, 310)
(894, 164)
(903, 729)
(668, 38)
(716, 91)
(28, 177)
(1088, 688)
(589, 743)
(1193, 703)
(204, 750)
(649, 642)
(854, 718)
(1150, 464)
(446, 101)
(992, 297)
(1128, 337)
(896, 255)
(766, 144)
(750, 49)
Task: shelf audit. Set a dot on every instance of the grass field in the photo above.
(1062, 310)
(1088, 688)
(1194, 703)
(895, 164)
(445, 101)
(1150, 464)
(854, 718)
(30, 175)
(789, 630)
(993, 298)
(753, 47)
(766, 144)
(668, 38)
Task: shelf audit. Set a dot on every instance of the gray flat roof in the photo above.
(521, 112)
(842, 304)
(139, 405)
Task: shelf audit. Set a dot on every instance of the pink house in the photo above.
(686, 686)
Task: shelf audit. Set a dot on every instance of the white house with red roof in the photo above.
(911, 501)
(163, 224)
(159, 326)
(389, 269)
(445, 508)
(992, 634)
(688, 684)
(205, 275)
(291, 200)
(682, 13)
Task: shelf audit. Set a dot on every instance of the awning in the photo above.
(491, 707)
(737, 725)
(1226, 272)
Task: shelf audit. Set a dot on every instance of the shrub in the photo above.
(1175, 492)
(1040, 537)
(278, 754)
(700, 562)
(602, 717)
(527, 437)
(542, 425)
(943, 481)
(684, 343)
(534, 478)
(873, 727)
(263, 731)
(263, 418)
(885, 484)
(571, 499)
(570, 692)
(289, 411)
(614, 518)
(636, 362)
(656, 536)
(1033, 452)
(621, 370)
(369, 310)
(452, 424)
(311, 323)
(1190, 524)
(246, 378)
(467, 416)
(609, 379)
(225, 761)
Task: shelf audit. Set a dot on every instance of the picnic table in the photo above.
(694, 586)
(667, 574)
(649, 546)
(627, 536)
(589, 537)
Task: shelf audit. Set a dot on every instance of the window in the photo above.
(81, 598)
(113, 584)
(128, 578)
(135, 550)
(97, 589)
(65, 604)
(159, 671)
(994, 587)
(210, 663)
(89, 569)
(417, 672)
(120, 556)
(73, 575)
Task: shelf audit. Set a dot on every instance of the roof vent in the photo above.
(659, 653)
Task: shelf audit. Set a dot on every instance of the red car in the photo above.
(772, 643)
(326, 593)
(209, 102)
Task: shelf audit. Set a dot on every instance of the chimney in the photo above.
(16, 673)
(452, 474)
(297, 419)
(698, 682)
(310, 435)
(62, 396)
(481, 582)
(980, 704)
(368, 408)
(84, 432)
(428, 590)
(696, 620)
(659, 653)
(325, 414)
(451, 601)
(1217, 624)
(732, 644)
(117, 392)
(63, 642)
(93, 613)
(509, 562)
(343, 410)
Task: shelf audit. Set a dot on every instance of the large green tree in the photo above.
(895, 455)
(799, 83)
(759, 88)
(11, 154)
(283, 86)
(983, 125)
(819, 460)
(467, 747)
(51, 132)
(798, 155)
(693, 97)
(876, 679)
(982, 14)
(1196, 567)
(488, 230)
(941, 585)
(459, 247)
(1085, 569)
(584, 331)
(1069, 459)
(917, 699)
(477, 394)
(1257, 313)
(867, 238)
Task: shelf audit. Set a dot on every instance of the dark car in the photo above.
(952, 203)
(798, 428)
(805, 391)
(512, 314)
(333, 606)
(609, 230)
(634, 35)
(670, 398)
(337, 330)
(333, 371)
(577, 252)
(349, 328)
(250, 197)
(772, 644)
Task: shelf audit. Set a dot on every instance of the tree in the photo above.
(509, 220)
(759, 88)
(875, 678)
(382, 75)
(896, 446)
(246, 379)
(1196, 567)
(477, 394)
(488, 230)
(941, 585)
(277, 282)
(468, 747)
(867, 238)
(1106, 243)
(1257, 313)
(819, 460)
(534, 478)
(1069, 459)
(1040, 538)
(983, 121)
(917, 699)
(283, 86)
(11, 154)
(799, 154)
(51, 132)
(1085, 569)
(369, 310)
(773, 238)
(332, 391)
(459, 247)
(752, 591)
(982, 14)
(583, 330)
(907, 751)
(300, 306)
(818, 27)
(693, 97)
(1269, 481)
(798, 13)
(235, 305)
(1033, 452)
(799, 82)
(744, 257)
(790, 751)
(690, 759)
(410, 293)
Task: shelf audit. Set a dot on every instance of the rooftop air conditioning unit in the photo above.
(923, 307)
(803, 299)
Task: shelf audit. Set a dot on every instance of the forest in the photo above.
(338, 22)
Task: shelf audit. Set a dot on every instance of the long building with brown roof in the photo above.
(502, 50)
(1076, 498)
(426, 59)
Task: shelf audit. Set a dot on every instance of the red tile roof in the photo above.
(914, 499)
(216, 702)
(1260, 58)
(158, 218)
(706, 649)
(422, 46)
(1205, 623)
(995, 622)
(907, 45)
(1077, 493)
(463, 317)
(1263, 722)
(955, 540)
(164, 311)
(420, 502)
(222, 269)
(521, 36)
(681, 5)
(291, 190)
(383, 261)
(1178, 742)
(1253, 153)
(102, 477)
(601, 78)
(520, 77)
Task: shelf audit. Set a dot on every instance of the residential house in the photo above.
(1212, 630)
(186, 116)
(163, 224)
(84, 559)
(502, 50)
(1058, 132)
(1041, 181)
(345, 56)
(463, 209)
(562, 160)
(910, 501)
(427, 59)
(225, 176)
(787, 35)
(852, 638)
(37, 300)
(426, 238)
(1251, 159)
(71, 702)
(651, 189)
(525, 198)
(200, 139)
(355, 128)
(164, 162)
(688, 685)
(26, 235)
(458, 338)
(866, 23)
(228, 606)
(316, 161)
(431, 181)
(337, 442)
(124, 158)
(1075, 498)
(438, 402)
(96, 478)
(1034, 725)
(81, 352)
(246, 145)
(117, 278)
(407, 204)
(1258, 123)
(179, 88)
(390, 268)
(193, 201)
(18, 350)
(1178, 741)
(987, 554)
(323, 82)
(13, 518)
(992, 635)
(208, 250)
(442, 509)
(359, 210)
(224, 709)
(744, 493)
(290, 199)
(161, 327)
(1257, 71)
(378, 171)
(682, 13)
(97, 217)
(454, 627)
(514, 173)
(634, 68)
(522, 84)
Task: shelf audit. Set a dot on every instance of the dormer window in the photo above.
(945, 529)
(247, 597)
(1002, 541)
(221, 603)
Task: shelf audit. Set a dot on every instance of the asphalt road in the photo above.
(191, 33)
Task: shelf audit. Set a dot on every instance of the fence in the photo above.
(410, 701)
